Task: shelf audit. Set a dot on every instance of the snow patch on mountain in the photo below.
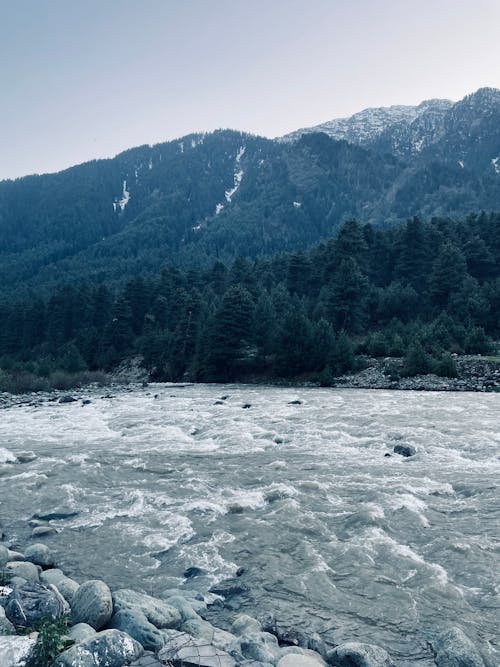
(121, 203)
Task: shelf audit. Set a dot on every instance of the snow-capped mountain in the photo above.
(369, 126)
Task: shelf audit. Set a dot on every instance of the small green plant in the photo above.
(50, 643)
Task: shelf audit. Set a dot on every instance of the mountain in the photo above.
(227, 193)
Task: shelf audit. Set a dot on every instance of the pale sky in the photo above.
(83, 79)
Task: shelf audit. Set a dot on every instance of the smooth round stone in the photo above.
(39, 554)
(92, 604)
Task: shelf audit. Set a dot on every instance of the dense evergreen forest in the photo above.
(421, 291)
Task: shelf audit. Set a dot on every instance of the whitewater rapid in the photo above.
(333, 535)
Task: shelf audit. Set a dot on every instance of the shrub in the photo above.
(50, 642)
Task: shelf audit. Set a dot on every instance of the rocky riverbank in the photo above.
(48, 619)
(473, 374)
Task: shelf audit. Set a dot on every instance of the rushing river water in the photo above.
(333, 535)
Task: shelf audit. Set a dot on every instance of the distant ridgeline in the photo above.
(415, 290)
(213, 196)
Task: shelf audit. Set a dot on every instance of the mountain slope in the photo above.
(228, 193)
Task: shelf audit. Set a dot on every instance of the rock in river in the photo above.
(357, 654)
(32, 602)
(111, 648)
(454, 649)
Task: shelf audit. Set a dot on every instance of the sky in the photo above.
(84, 79)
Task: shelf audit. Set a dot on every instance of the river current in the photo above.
(333, 535)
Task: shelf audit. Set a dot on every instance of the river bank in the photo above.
(47, 619)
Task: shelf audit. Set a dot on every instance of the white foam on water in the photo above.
(6, 456)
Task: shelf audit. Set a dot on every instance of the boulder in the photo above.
(301, 660)
(188, 609)
(135, 624)
(357, 654)
(67, 399)
(39, 554)
(244, 624)
(157, 612)
(14, 651)
(182, 650)
(80, 632)
(32, 602)
(201, 629)
(6, 627)
(18, 568)
(404, 450)
(229, 588)
(260, 646)
(454, 649)
(15, 555)
(26, 457)
(66, 586)
(54, 516)
(92, 604)
(43, 531)
(111, 648)
(4, 556)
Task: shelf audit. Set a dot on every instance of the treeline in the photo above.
(419, 291)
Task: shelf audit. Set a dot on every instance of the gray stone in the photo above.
(80, 632)
(454, 649)
(229, 588)
(15, 555)
(182, 650)
(17, 582)
(148, 660)
(201, 629)
(43, 531)
(26, 457)
(6, 627)
(56, 516)
(357, 654)
(67, 399)
(92, 604)
(261, 646)
(135, 624)
(109, 648)
(295, 656)
(4, 556)
(186, 608)
(14, 651)
(405, 450)
(39, 554)
(27, 571)
(158, 612)
(66, 586)
(32, 602)
(244, 624)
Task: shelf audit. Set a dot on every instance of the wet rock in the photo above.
(454, 649)
(229, 588)
(80, 632)
(86, 401)
(43, 531)
(54, 516)
(6, 627)
(14, 651)
(111, 648)
(188, 609)
(26, 457)
(19, 568)
(39, 554)
(182, 650)
(4, 556)
(261, 646)
(157, 612)
(218, 402)
(244, 624)
(17, 582)
(15, 555)
(295, 402)
(135, 624)
(201, 629)
(66, 586)
(92, 604)
(404, 450)
(67, 399)
(32, 602)
(194, 571)
(245, 406)
(300, 657)
(357, 654)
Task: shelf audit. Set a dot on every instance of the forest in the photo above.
(423, 291)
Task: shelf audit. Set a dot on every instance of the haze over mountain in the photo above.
(228, 193)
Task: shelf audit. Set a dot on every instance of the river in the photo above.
(333, 535)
